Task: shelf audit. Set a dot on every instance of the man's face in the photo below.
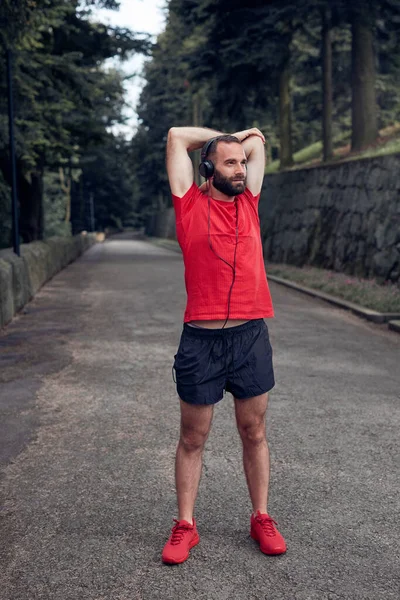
(229, 169)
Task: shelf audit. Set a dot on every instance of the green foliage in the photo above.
(56, 196)
(109, 182)
(217, 64)
(65, 99)
(166, 99)
(229, 54)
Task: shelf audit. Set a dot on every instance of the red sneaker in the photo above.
(263, 530)
(182, 539)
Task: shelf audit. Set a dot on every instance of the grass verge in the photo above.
(388, 142)
(365, 292)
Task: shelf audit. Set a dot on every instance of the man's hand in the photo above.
(242, 135)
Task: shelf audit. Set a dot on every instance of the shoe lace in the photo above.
(267, 524)
(179, 531)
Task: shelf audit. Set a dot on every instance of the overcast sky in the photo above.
(142, 16)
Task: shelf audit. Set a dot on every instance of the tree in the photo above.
(285, 116)
(282, 66)
(387, 42)
(326, 59)
(105, 179)
(245, 55)
(166, 100)
(65, 100)
(363, 80)
(375, 44)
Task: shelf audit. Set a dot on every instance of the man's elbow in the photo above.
(257, 141)
(176, 139)
(173, 133)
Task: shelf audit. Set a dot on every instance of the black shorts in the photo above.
(236, 359)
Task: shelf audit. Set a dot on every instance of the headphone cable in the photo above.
(233, 267)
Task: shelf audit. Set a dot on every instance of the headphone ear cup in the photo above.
(206, 169)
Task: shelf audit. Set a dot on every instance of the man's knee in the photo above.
(253, 432)
(193, 439)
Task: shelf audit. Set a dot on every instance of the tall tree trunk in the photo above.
(363, 106)
(66, 184)
(326, 55)
(78, 206)
(285, 118)
(31, 206)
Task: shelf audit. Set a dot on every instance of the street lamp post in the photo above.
(15, 228)
(91, 200)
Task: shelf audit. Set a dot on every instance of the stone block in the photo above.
(21, 288)
(385, 262)
(340, 251)
(355, 225)
(38, 259)
(343, 224)
(343, 174)
(372, 177)
(365, 201)
(387, 234)
(392, 233)
(359, 178)
(7, 308)
(58, 251)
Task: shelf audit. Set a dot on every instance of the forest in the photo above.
(304, 72)
(65, 104)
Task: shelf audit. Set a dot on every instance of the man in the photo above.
(225, 343)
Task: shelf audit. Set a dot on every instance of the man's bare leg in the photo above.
(195, 427)
(250, 419)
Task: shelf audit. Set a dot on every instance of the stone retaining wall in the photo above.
(344, 217)
(22, 276)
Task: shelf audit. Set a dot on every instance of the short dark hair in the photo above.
(228, 139)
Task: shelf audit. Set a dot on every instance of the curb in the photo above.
(360, 311)
(392, 319)
(394, 326)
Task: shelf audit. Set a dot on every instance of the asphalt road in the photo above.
(89, 424)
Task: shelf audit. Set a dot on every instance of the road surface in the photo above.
(89, 425)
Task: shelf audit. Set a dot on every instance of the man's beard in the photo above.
(227, 186)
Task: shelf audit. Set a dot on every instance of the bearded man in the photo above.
(225, 343)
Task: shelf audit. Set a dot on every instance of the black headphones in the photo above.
(206, 167)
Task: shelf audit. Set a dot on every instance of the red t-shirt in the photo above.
(207, 278)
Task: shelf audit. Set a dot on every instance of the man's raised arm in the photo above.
(253, 145)
(182, 140)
